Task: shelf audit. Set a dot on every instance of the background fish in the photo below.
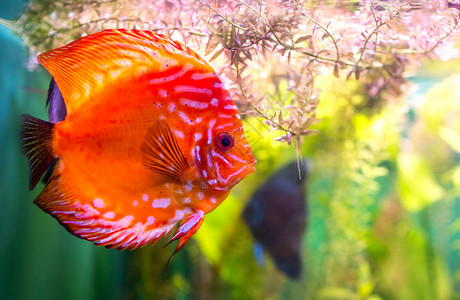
(277, 217)
(151, 139)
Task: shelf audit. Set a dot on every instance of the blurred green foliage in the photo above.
(382, 221)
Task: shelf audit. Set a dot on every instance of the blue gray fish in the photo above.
(277, 217)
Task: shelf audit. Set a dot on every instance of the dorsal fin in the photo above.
(98, 61)
(162, 154)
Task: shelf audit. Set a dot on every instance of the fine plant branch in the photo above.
(273, 32)
(258, 111)
(440, 40)
(375, 31)
(291, 47)
(437, 44)
(376, 21)
(271, 120)
(89, 2)
(205, 3)
(337, 59)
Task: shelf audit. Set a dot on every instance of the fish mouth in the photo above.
(252, 163)
(231, 180)
(250, 168)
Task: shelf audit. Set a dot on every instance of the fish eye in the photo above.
(224, 141)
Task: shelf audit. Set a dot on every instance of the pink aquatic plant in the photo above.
(284, 41)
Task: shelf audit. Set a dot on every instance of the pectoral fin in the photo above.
(162, 154)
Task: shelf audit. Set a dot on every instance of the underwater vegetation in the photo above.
(365, 90)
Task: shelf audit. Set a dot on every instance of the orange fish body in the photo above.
(151, 139)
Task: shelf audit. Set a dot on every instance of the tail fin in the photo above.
(36, 138)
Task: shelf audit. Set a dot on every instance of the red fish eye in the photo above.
(225, 141)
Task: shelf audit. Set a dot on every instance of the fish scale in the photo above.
(137, 152)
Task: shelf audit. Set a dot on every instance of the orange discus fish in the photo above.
(151, 139)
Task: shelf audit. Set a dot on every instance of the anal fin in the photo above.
(73, 207)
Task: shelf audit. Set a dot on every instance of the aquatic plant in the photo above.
(270, 53)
